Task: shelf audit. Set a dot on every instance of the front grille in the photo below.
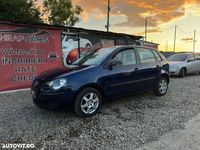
(40, 86)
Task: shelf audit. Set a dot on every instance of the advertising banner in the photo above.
(25, 52)
(72, 44)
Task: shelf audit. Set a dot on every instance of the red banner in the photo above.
(26, 52)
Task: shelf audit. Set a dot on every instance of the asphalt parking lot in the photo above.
(135, 122)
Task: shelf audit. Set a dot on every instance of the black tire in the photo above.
(80, 103)
(157, 90)
(182, 73)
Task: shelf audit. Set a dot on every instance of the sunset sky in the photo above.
(127, 16)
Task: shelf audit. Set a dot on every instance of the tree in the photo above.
(62, 12)
(24, 11)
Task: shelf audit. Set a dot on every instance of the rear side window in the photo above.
(146, 56)
(158, 58)
(126, 57)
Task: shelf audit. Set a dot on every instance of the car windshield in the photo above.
(178, 57)
(94, 57)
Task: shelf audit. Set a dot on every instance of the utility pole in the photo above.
(194, 40)
(108, 17)
(145, 28)
(175, 37)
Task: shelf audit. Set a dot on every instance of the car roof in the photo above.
(112, 49)
(131, 46)
(183, 53)
(187, 53)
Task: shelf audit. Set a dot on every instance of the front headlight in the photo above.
(57, 84)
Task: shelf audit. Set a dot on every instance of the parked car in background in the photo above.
(184, 63)
(102, 75)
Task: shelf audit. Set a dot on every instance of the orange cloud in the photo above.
(193, 6)
(85, 16)
(157, 11)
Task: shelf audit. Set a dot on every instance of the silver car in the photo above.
(184, 63)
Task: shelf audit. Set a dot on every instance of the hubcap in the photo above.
(163, 86)
(89, 103)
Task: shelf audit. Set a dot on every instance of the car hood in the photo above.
(57, 72)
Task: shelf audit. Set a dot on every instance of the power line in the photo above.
(198, 33)
(166, 29)
(184, 31)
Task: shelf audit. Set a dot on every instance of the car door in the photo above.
(120, 79)
(148, 70)
(191, 64)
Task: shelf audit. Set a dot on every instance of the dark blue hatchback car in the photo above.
(102, 75)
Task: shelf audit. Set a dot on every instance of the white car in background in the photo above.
(70, 42)
(184, 63)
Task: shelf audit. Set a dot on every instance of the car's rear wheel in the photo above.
(182, 73)
(88, 102)
(162, 87)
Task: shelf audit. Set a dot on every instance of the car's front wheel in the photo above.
(162, 87)
(88, 102)
(182, 73)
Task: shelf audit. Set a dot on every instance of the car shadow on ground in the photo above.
(188, 75)
(122, 101)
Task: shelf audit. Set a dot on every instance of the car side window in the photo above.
(158, 58)
(191, 58)
(146, 56)
(126, 57)
(197, 57)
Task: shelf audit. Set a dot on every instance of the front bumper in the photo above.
(174, 71)
(53, 100)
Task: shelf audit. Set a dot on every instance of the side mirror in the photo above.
(113, 64)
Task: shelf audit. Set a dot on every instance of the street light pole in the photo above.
(108, 17)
